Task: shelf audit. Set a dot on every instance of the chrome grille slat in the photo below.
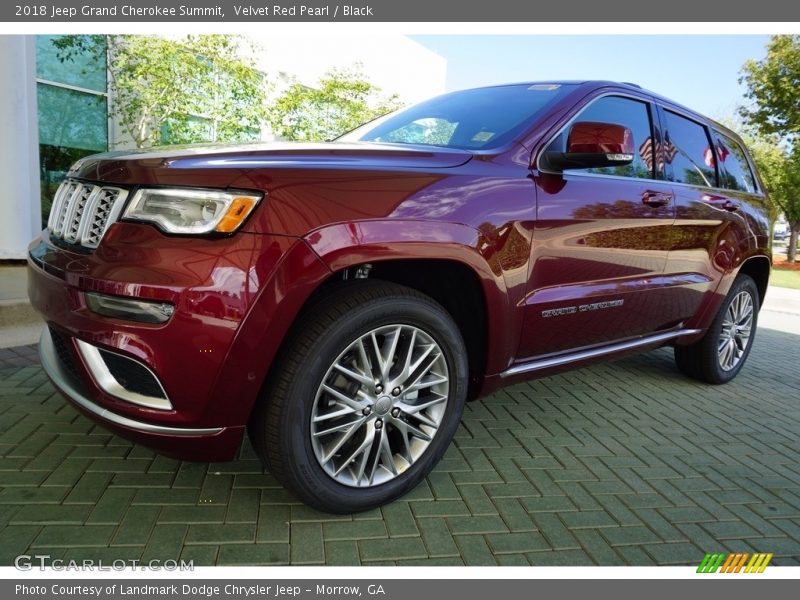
(82, 211)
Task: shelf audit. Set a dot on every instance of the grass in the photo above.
(785, 279)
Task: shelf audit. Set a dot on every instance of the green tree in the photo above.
(342, 100)
(779, 167)
(773, 88)
(195, 89)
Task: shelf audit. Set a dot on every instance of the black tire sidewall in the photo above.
(314, 484)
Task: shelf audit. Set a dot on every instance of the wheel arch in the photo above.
(441, 260)
(758, 268)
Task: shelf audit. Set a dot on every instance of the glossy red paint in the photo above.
(534, 241)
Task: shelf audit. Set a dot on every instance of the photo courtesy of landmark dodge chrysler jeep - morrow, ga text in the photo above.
(341, 301)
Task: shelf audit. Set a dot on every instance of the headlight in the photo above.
(186, 210)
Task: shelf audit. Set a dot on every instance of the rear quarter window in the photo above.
(734, 172)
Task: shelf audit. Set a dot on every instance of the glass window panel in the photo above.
(687, 152)
(619, 111)
(735, 171)
(72, 119)
(84, 70)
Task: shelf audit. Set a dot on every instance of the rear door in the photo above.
(600, 241)
(711, 229)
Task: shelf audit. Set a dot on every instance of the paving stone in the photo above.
(357, 530)
(437, 537)
(399, 519)
(619, 463)
(590, 519)
(51, 514)
(165, 543)
(372, 550)
(504, 543)
(474, 550)
(343, 553)
(243, 506)
(238, 533)
(73, 536)
(307, 545)
(464, 525)
(681, 553)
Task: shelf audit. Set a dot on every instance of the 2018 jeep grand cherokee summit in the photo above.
(342, 301)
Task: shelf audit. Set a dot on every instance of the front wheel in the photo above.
(366, 398)
(721, 353)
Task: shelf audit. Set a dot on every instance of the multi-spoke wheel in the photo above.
(721, 353)
(366, 398)
(735, 332)
(380, 405)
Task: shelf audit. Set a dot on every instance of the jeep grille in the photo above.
(82, 212)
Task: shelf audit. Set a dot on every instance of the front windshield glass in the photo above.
(471, 120)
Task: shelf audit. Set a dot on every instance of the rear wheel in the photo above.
(721, 353)
(366, 398)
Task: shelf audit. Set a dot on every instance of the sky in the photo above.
(698, 71)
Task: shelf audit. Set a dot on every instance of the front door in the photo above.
(600, 242)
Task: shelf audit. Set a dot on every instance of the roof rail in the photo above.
(636, 85)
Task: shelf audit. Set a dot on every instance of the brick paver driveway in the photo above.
(622, 463)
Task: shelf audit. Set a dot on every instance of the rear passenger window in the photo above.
(735, 173)
(687, 152)
(632, 114)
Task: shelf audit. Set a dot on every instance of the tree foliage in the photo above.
(773, 88)
(195, 89)
(341, 101)
(779, 167)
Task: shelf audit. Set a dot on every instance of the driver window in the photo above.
(632, 114)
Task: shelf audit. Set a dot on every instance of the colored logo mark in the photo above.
(735, 562)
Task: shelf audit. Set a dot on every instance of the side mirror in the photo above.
(592, 145)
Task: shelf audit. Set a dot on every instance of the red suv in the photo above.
(342, 301)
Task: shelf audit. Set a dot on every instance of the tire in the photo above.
(712, 359)
(311, 460)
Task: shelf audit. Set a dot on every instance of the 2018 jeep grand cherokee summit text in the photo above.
(342, 301)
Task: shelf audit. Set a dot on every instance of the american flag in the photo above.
(722, 152)
(664, 151)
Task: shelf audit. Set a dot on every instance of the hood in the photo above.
(255, 156)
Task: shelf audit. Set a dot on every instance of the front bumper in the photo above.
(194, 443)
(214, 285)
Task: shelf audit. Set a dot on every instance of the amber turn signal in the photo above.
(238, 211)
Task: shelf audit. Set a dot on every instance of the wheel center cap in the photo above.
(383, 405)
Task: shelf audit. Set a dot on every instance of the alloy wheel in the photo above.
(736, 330)
(379, 406)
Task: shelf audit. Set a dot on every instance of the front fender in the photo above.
(262, 332)
(345, 245)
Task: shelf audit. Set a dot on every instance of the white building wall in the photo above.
(20, 202)
(395, 63)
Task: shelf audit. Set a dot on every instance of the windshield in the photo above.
(470, 120)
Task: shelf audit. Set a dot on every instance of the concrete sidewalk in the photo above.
(781, 310)
(19, 323)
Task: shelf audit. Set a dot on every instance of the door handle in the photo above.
(655, 199)
(730, 205)
(721, 201)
